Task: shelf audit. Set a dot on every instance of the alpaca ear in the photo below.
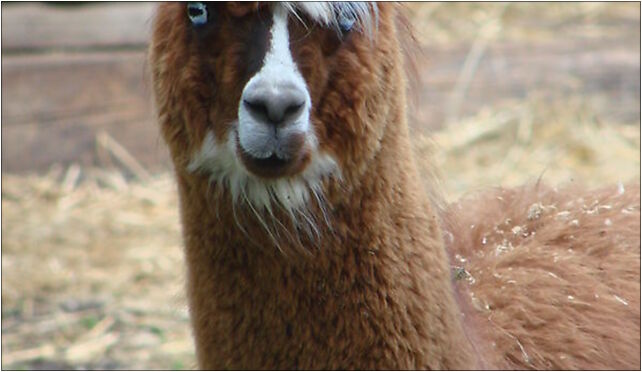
(197, 13)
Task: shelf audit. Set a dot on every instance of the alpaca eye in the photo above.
(197, 13)
(345, 20)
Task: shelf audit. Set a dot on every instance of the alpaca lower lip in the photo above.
(273, 166)
(273, 162)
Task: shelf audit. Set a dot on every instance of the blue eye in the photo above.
(197, 12)
(345, 20)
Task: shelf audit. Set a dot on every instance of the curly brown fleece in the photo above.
(552, 277)
(373, 290)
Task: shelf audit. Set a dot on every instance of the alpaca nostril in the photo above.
(294, 109)
(258, 108)
(275, 106)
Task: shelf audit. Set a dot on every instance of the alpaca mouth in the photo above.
(274, 166)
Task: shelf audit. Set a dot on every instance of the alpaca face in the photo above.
(274, 136)
(268, 100)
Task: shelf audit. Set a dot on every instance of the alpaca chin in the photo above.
(223, 167)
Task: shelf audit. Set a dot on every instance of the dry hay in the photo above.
(558, 142)
(448, 23)
(92, 272)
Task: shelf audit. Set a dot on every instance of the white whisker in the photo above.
(295, 196)
(261, 221)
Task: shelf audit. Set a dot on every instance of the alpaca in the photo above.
(309, 242)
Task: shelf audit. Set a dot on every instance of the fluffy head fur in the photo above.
(328, 14)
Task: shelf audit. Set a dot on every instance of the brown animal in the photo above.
(309, 243)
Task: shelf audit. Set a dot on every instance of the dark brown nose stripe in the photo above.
(257, 42)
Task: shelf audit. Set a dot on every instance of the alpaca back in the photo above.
(550, 279)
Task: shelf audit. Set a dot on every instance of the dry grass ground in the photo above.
(92, 273)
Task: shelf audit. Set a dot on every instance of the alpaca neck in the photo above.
(375, 291)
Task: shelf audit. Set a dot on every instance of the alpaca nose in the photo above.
(275, 104)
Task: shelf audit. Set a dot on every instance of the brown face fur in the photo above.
(199, 75)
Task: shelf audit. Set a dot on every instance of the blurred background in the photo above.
(92, 272)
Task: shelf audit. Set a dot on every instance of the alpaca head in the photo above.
(270, 102)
